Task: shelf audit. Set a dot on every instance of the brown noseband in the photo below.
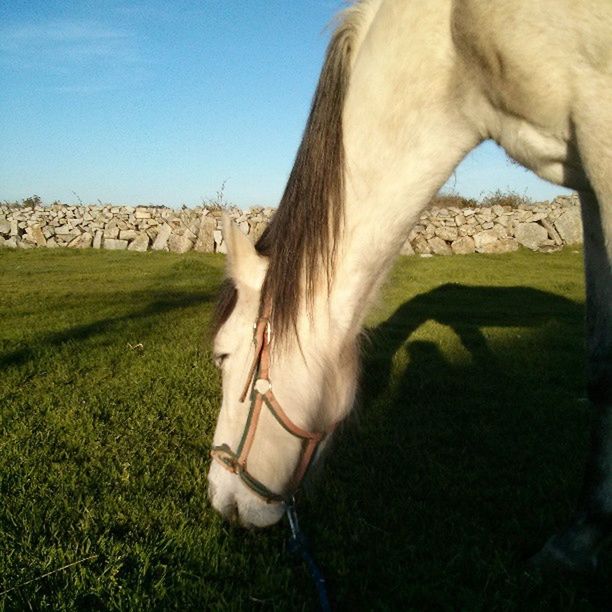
(258, 380)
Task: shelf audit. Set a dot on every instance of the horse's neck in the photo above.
(403, 137)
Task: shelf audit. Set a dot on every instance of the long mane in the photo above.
(300, 241)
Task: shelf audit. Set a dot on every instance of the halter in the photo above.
(258, 380)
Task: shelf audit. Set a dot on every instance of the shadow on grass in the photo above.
(161, 304)
(466, 310)
(453, 473)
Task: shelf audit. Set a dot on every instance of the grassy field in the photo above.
(463, 456)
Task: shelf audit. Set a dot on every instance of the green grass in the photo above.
(463, 455)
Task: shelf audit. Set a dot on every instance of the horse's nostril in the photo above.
(229, 510)
(233, 515)
(225, 505)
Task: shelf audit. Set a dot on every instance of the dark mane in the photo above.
(300, 241)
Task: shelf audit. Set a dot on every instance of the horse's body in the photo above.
(408, 88)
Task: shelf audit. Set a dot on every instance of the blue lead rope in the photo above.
(298, 545)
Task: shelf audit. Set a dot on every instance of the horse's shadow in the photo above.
(451, 465)
(466, 310)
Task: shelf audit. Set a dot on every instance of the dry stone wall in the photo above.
(546, 226)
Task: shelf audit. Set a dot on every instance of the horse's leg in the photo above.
(577, 547)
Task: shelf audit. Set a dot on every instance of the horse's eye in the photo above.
(219, 358)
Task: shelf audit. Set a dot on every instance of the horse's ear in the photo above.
(245, 266)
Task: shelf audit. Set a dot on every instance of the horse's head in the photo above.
(280, 400)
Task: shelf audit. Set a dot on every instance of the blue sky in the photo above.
(161, 102)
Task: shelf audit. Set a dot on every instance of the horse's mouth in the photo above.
(238, 505)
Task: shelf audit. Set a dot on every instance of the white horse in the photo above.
(408, 88)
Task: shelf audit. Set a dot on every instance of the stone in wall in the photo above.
(142, 214)
(447, 233)
(161, 241)
(483, 240)
(37, 235)
(503, 245)
(140, 243)
(463, 246)
(569, 226)
(128, 234)
(439, 246)
(553, 234)
(421, 246)
(82, 241)
(531, 235)
(179, 243)
(205, 242)
(111, 231)
(114, 244)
